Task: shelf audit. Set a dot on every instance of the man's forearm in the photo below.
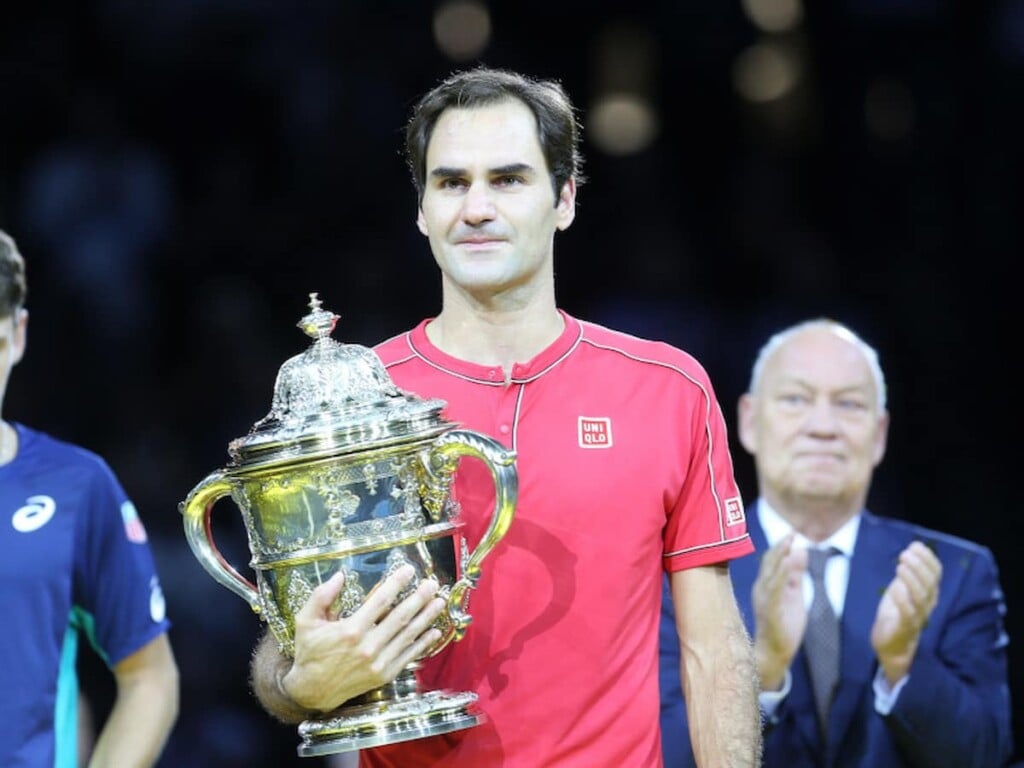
(144, 710)
(721, 704)
(140, 721)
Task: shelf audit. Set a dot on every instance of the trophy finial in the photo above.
(319, 323)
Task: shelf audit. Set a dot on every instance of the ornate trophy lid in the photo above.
(335, 398)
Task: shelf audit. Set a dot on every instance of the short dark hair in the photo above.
(557, 126)
(13, 287)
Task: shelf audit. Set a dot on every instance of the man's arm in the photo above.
(338, 659)
(717, 669)
(144, 711)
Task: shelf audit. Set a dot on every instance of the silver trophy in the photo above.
(349, 473)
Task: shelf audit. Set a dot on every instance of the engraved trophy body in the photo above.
(347, 472)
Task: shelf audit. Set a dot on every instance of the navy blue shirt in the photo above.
(74, 562)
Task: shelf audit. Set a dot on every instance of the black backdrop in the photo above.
(180, 175)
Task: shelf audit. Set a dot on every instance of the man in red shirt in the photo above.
(624, 472)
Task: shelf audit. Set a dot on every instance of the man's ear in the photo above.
(745, 422)
(20, 335)
(881, 437)
(566, 205)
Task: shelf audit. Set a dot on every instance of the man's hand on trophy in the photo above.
(337, 659)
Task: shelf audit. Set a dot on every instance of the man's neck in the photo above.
(8, 442)
(816, 519)
(500, 337)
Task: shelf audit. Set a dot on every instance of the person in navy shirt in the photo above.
(75, 564)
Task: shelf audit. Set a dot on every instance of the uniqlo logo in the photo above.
(595, 432)
(734, 511)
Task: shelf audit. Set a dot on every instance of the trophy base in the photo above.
(374, 725)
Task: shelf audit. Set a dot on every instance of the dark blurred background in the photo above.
(181, 174)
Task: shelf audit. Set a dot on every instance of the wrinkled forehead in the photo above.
(820, 357)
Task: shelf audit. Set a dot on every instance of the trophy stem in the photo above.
(398, 711)
(401, 687)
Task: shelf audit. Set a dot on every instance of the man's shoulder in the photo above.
(640, 349)
(51, 444)
(44, 450)
(395, 349)
(940, 541)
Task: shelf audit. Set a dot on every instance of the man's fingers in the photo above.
(917, 588)
(319, 604)
(925, 562)
(410, 612)
(419, 648)
(899, 595)
(775, 555)
(774, 558)
(382, 597)
(423, 619)
(407, 632)
(921, 571)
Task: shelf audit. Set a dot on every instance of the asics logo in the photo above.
(34, 515)
(157, 604)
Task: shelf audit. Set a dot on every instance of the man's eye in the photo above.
(508, 181)
(453, 183)
(848, 404)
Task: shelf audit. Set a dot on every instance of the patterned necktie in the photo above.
(821, 640)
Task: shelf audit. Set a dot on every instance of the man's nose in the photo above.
(478, 205)
(822, 417)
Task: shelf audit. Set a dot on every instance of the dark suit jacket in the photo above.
(954, 710)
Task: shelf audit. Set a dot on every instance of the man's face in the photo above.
(488, 208)
(814, 425)
(12, 345)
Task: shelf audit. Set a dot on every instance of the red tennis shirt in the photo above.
(624, 471)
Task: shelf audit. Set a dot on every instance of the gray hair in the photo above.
(840, 330)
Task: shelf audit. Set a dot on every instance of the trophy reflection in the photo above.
(349, 473)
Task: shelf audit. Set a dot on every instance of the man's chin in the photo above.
(819, 492)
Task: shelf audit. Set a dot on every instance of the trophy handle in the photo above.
(445, 452)
(195, 510)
